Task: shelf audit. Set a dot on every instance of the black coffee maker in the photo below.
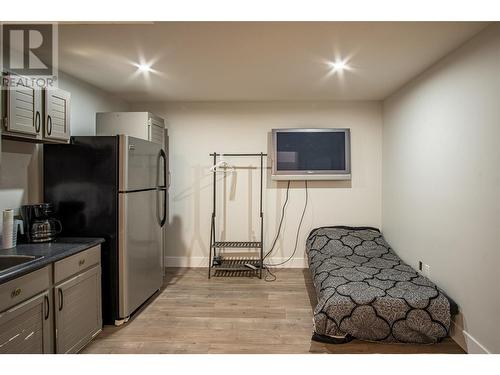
(39, 225)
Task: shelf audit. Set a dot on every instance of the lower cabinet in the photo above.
(26, 314)
(78, 316)
(26, 327)
(56, 307)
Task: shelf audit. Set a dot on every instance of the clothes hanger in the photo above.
(222, 164)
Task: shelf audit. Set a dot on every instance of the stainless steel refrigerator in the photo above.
(113, 187)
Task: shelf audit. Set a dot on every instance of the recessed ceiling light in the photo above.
(338, 65)
(144, 68)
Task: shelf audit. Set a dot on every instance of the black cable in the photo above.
(297, 235)
(281, 222)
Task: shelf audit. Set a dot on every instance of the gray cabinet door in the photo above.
(57, 115)
(25, 328)
(156, 130)
(24, 111)
(157, 134)
(78, 310)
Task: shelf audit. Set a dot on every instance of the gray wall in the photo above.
(441, 181)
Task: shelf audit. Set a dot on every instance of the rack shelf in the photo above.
(237, 244)
(236, 266)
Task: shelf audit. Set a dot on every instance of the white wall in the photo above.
(196, 129)
(441, 180)
(86, 100)
(20, 174)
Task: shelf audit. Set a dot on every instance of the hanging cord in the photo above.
(270, 276)
(280, 224)
(268, 266)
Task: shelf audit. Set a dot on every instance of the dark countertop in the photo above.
(46, 253)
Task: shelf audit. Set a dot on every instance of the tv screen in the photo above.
(320, 154)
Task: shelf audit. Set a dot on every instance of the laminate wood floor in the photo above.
(234, 315)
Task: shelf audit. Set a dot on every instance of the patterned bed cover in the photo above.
(366, 291)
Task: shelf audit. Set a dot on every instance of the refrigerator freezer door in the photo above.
(139, 164)
(140, 249)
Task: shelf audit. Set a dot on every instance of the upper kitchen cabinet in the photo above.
(144, 125)
(35, 115)
(22, 115)
(156, 127)
(57, 105)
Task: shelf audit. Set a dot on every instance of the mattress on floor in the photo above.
(366, 291)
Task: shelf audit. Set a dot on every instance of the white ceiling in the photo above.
(256, 60)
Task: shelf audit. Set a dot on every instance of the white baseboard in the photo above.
(203, 262)
(474, 346)
(292, 263)
(190, 262)
(464, 339)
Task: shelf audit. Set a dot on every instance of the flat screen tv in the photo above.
(311, 154)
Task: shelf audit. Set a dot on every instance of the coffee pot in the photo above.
(39, 226)
(45, 230)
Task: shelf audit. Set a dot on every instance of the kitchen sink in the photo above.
(9, 261)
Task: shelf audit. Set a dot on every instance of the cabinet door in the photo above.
(57, 111)
(24, 111)
(25, 328)
(156, 130)
(78, 310)
(157, 134)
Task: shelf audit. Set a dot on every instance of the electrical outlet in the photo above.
(427, 271)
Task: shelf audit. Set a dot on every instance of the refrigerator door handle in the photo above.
(164, 218)
(162, 187)
(163, 156)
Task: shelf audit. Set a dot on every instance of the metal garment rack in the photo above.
(216, 261)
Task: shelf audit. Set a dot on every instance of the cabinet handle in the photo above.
(81, 262)
(37, 121)
(49, 125)
(16, 292)
(61, 299)
(46, 299)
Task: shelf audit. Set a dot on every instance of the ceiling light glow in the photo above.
(339, 65)
(144, 68)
